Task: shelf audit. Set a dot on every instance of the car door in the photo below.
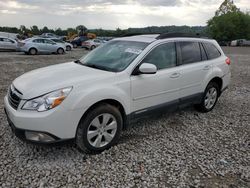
(194, 69)
(39, 45)
(150, 91)
(50, 46)
(11, 44)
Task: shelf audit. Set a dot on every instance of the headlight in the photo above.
(47, 101)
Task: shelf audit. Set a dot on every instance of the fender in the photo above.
(92, 95)
(216, 72)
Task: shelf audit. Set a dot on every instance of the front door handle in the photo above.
(207, 67)
(175, 75)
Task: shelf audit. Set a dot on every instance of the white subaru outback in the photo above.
(94, 98)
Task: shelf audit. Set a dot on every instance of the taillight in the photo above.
(228, 61)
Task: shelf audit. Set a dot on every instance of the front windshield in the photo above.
(114, 56)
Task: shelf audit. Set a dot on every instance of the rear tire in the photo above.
(60, 51)
(99, 129)
(210, 98)
(92, 47)
(32, 51)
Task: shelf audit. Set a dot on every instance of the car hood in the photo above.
(44, 80)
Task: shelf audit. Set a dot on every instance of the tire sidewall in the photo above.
(68, 48)
(31, 49)
(81, 135)
(210, 85)
(59, 51)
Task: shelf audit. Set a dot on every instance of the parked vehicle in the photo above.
(8, 44)
(240, 42)
(92, 44)
(78, 41)
(94, 98)
(68, 46)
(35, 46)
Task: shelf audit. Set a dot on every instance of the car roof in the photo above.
(156, 37)
(139, 38)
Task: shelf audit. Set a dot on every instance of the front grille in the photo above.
(14, 97)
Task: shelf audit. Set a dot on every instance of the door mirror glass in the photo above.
(147, 68)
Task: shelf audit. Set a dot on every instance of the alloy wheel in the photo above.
(102, 130)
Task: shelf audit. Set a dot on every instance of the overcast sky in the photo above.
(109, 14)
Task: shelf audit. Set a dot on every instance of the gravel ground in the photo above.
(181, 149)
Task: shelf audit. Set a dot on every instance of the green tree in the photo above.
(81, 30)
(34, 30)
(229, 23)
(227, 6)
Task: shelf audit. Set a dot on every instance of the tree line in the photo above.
(34, 30)
(229, 23)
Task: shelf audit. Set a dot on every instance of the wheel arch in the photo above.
(112, 102)
(218, 81)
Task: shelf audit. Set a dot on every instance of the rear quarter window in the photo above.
(211, 50)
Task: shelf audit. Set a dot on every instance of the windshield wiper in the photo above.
(77, 61)
(97, 67)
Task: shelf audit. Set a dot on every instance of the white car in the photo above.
(68, 45)
(92, 44)
(38, 45)
(93, 99)
(8, 44)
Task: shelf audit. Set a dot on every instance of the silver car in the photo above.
(35, 46)
(68, 46)
(8, 44)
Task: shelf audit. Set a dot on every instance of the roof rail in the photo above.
(176, 35)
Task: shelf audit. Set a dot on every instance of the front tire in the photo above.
(60, 51)
(68, 48)
(99, 129)
(210, 98)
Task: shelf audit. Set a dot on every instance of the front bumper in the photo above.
(22, 134)
(59, 123)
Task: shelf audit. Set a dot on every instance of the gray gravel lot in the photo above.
(181, 149)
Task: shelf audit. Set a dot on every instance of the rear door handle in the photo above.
(207, 67)
(175, 75)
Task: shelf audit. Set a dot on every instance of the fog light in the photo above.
(39, 137)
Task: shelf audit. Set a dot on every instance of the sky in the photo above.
(109, 14)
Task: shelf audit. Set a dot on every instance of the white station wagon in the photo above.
(94, 98)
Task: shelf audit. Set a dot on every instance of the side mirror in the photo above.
(147, 68)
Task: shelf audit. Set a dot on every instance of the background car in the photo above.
(68, 46)
(35, 46)
(8, 44)
(78, 41)
(92, 44)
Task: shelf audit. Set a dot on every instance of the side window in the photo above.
(163, 56)
(48, 41)
(38, 41)
(203, 53)
(212, 51)
(190, 52)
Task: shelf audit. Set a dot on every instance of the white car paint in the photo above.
(48, 46)
(134, 93)
(8, 43)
